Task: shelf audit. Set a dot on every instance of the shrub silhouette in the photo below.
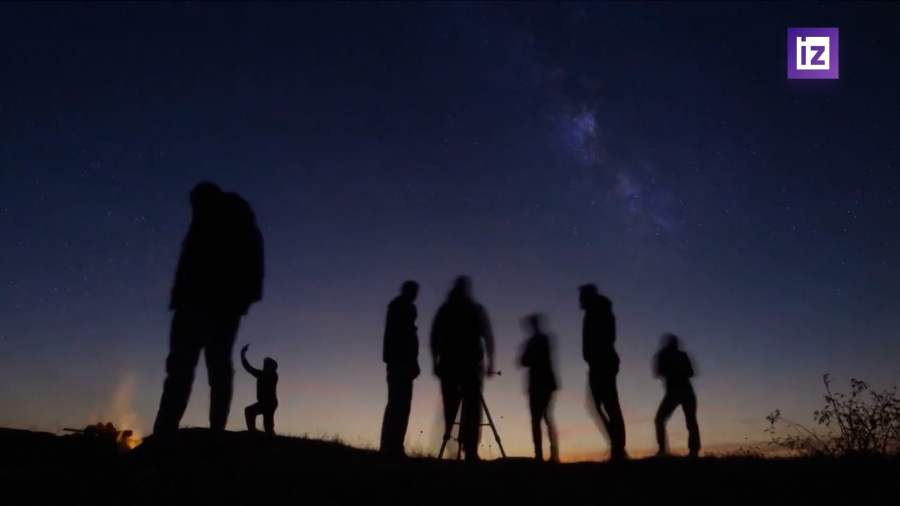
(864, 422)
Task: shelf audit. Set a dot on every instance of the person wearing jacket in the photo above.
(219, 276)
(461, 336)
(676, 369)
(537, 357)
(401, 356)
(598, 350)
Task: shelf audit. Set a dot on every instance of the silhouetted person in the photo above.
(457, 333)
(675, 368)
(266, 398)
(536, 356)
(219, 275)
(598, 349)
(401, 355)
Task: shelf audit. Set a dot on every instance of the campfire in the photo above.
(124, 439)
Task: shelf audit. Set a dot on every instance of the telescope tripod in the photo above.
(457, 417)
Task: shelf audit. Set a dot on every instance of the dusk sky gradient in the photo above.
(657, 150)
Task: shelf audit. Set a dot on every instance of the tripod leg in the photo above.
(443, 445)
(493, 427)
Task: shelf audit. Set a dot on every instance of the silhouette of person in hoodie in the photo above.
(461, 335)
(401, 355)
(598, 349)
(219, 275)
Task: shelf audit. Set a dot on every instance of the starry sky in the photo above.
(655, 149)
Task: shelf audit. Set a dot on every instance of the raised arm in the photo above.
(247, 367)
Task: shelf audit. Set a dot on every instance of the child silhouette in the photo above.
(266, 400)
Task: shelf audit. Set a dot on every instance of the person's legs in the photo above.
(387, 420)
(689, 406)
(666, 408)
(594, 381)
(250, 414)
(606, 399)
(551, 430)
(404, 406)
(184, 351)
(450, 395)
(269, 419)
(614, 410)
(220, 368)
(470, 419)
(396, 414)
(537, 408)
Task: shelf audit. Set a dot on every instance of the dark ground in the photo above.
(242, 469)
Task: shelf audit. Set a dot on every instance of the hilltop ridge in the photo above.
(244, 468)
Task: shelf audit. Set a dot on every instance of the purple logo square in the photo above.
(812, 53)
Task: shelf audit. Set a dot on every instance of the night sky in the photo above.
(657, 150)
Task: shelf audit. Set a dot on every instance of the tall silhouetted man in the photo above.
(536, 357)
(219, 275)
(675, 368)
(266, 398)
(460, 336)
(598, 349)
(401, 355)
